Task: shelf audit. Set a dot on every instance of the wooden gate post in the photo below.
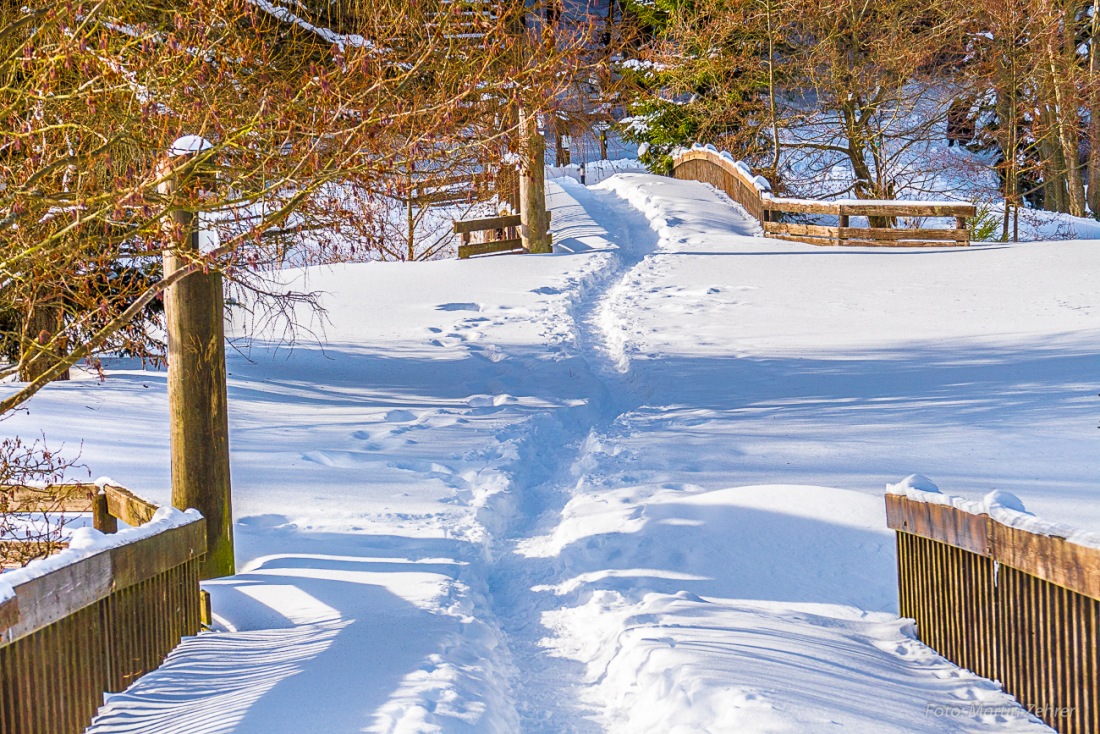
(535, 224)
(197, 401)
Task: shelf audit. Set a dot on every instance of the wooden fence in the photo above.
(97, 624)
(1011, 605)
(753, 193)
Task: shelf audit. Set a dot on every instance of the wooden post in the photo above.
(843, 222)
(535, 224)
(197, 402)
(102, 519)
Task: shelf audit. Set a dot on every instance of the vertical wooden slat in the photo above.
(1020, 633)
(1071, 620)
(1090, 716)
(1027, 683)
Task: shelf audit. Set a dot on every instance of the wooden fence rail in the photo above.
(1012, 605)
(94, 625)
(706, 164)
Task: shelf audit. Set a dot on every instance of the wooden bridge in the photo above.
(720, 170)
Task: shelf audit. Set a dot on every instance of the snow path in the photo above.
(546, 686)
(601, 491)
(693, 607)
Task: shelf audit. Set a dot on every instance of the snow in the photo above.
(189, 144)
(85, 542)
(595, 171)
(633, 486)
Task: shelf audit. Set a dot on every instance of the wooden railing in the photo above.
(1011, 604)
(497, 234)
(720, 170)
(84, 623)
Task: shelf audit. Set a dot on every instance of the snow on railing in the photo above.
(1009, 596)
(754, 192)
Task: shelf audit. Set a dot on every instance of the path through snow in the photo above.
(601, 491)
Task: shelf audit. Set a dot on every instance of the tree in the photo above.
(280, 107)
(710, 71)
(296, 100)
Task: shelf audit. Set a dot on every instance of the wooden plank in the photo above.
(804, 230)
(485, 248)
(128, 507)
(482, 225)
(445, 197)
(75, 497)
(802, 206)
(1075, 567)
(877, 209)
(102, 519)
(9, 614)
(906, 209)
(878, 233)
(55, 595)
(135, 563)
(941, 523)
(53, 545)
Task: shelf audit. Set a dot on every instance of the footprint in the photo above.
(400, 416)
(458, 307)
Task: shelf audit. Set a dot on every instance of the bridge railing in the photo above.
(91, 620)
(1006, 596)
(721, 170)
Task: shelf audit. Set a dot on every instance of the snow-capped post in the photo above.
(197, 400)
(534, 222)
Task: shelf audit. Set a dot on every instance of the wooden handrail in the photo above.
(705, 163)
(43, 600)
(120, 503)
(483, 225)
(869, 208)
(1046, 557)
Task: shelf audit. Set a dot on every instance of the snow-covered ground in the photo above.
(635, 486)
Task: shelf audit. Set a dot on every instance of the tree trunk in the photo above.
(1054, 168)
(42, 322)
(1094, 112)
(772, 107)
(1065, 118)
